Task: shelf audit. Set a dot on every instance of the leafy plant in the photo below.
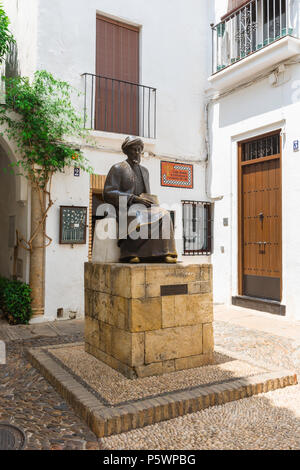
(15, 301)
(38, 115)
(6, 38)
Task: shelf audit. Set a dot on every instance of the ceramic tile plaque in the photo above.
(177, 175)
(73, 223)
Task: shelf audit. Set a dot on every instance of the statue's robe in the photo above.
(128, 180)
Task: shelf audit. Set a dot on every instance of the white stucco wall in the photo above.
(7, 208)
(11, 206)
(23, 16)
(173, 58)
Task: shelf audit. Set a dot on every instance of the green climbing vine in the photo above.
(6, 38)
(37, 116)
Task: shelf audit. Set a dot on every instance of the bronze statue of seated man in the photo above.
(128, 181)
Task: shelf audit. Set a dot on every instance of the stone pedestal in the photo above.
(149, 319)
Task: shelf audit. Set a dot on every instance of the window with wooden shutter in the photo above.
(117, 77)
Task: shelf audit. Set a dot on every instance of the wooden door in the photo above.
(117, 77)
(260, 218)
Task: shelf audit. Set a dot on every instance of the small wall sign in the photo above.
(77, 172)
(296, 145)
(73, 225)
(177, 175)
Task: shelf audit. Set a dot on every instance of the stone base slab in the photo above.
(157, 368)
(107, 419)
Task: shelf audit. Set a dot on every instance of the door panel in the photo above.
(261, 228)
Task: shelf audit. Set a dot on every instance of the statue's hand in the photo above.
(142, 200)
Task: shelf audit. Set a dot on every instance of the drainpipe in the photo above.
(208, 155)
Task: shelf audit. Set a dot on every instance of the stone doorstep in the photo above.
(106, 421)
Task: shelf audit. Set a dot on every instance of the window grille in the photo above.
(263, 147)
(197, 228)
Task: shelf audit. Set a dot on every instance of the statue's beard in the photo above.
(137, 160)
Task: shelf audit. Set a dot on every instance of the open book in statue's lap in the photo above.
(149, 233)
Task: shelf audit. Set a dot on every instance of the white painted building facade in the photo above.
(249, 98)
(60, 37)
(201, 117)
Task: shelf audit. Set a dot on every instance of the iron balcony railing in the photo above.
(119, 106)
(251, 28)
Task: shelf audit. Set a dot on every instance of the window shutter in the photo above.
(117, 59)
(233, 4)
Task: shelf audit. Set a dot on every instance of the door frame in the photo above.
(97, 183)
(240, 208)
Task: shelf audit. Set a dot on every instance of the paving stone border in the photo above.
(106, 420)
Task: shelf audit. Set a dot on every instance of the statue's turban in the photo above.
(129, 141)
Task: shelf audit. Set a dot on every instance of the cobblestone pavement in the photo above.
(29, 402)
(268, 421)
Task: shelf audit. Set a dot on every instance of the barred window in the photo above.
(259, 148)
(197, 228)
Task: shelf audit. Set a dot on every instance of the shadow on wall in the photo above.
(7, 209)
(12, 69)
(258, 99)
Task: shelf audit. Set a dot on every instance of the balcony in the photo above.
(118, 106)
(253, 38)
